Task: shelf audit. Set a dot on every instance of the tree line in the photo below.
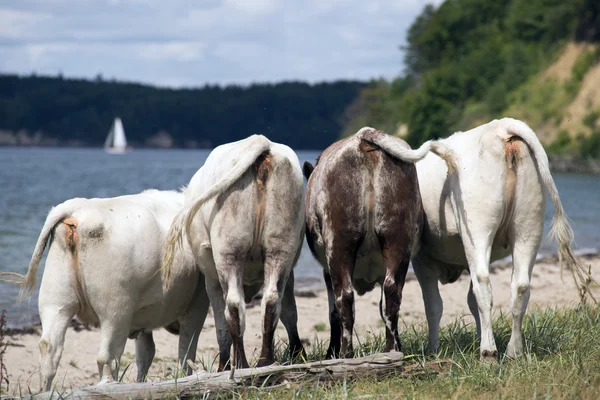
(464, 63)
(72, 111)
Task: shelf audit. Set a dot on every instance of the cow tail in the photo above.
(398, 149)
(28, 281)
(560, 229)
(183, 221)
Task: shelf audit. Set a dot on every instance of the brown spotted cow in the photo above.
(363, 221)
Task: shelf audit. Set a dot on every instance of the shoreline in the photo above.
(312, 290)
(558, 164)
(571, 164)
(78, 364)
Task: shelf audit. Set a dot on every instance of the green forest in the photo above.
(80, 112)
(465, 63)
(470, 61)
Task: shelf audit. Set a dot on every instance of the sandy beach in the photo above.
(78, 363)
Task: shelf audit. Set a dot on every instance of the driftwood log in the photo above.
(205, 384)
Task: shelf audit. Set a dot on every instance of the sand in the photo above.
(78, 363)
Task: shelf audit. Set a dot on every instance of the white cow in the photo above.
(244, 218)
(493, 207)
(103, 265)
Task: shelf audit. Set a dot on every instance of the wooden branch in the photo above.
(206, 383)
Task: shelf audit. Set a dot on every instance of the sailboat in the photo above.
(116, 142)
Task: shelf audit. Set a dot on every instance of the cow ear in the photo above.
(308, 169)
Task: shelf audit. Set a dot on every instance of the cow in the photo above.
(244, 219)
(103, 265)
(363, 221)
(491, 207)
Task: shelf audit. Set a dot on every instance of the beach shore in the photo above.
(78, 363)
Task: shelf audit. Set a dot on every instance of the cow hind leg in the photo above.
(472, 302)
(341, 267)
(526, 232)
(396, 267)
(335, 324)
(217, 299)
(144, 354)
(191, 325)
(523, 260)
(55, 321)
(478, 256)
(113, 337)
(289, 318)
(277, 269)
(235, 310)
(432, 300)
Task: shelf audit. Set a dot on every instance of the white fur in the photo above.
(402, 151)
(220, 219)
(119, 253)
(466, 210)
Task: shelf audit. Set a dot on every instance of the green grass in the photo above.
(584, 62)
(562, 360)
(542, 101)
(320, 327)
(583, 146)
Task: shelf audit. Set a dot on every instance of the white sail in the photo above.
(120, 141)
(116, 142)
(109, 139)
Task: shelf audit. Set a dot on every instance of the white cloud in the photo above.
(185, 42)
(174, 51)
(37, 53)
(239, 51)
(16, 24)
(253, 7)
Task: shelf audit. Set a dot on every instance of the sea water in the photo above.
(32, 180)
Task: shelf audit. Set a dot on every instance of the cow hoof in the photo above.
(392, 348)
(298, 353)
(105, 381)
(489, 357)
(513, 355)
(514, 352)
(272, 364)
(265, 363)
(332, 354)
(433, 349)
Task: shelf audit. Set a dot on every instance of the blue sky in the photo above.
(180, 43)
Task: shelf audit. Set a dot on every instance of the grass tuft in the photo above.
(562, 360)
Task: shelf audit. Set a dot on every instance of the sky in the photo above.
(177, 43)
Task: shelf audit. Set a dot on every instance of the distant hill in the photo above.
(470, 61)
(562, 102)
(68, 112)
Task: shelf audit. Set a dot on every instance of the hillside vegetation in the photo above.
(56, 111)
(470, 61)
